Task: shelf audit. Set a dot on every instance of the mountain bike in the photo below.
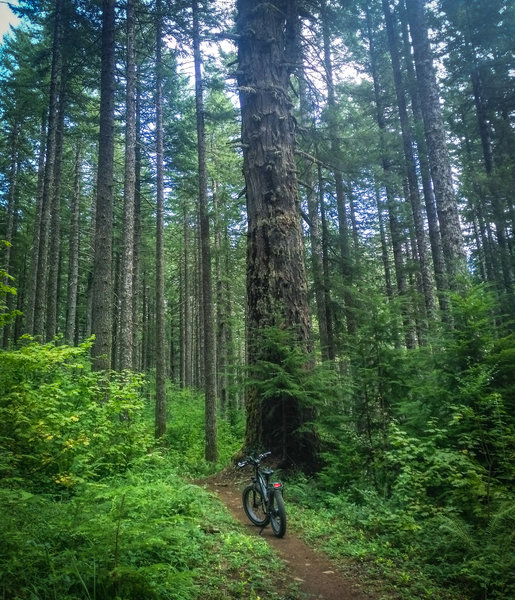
(263, 500)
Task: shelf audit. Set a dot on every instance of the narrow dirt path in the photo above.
(316, 577)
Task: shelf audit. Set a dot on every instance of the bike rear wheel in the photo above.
(254, 506)
(278, 514)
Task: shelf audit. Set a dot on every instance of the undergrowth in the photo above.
(90, 510)
(146, 534)
(411, 557)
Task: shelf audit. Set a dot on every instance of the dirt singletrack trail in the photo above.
(316, 577)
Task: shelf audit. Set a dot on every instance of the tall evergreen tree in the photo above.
(160, 282)
(452, 240)
(276, 278)
(209, 349)
(125, 343)
(102, 276)
(40, 299)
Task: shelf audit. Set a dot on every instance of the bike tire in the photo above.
(278, 514)
(254, 506)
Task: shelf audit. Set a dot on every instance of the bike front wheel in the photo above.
(278, 514)
(254, 506)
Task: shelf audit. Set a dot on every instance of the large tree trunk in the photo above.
(276, 278)
(102, 277)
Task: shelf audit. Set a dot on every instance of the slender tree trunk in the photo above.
(441, 281)
(160, 281)
(20, 300)
(136, 315)
(116, 305)
(11, 196)
(102, 276)
(452, 241)
(209, 358)
(10, 228)
(498, 208)
(52, 302)
(198, 318)
(331, 350)
(485, 228)
(144, 323)
(91, 257)
(396, 229)
(42, 272)
(36, 239)
(314, 228)
(308, 178)
(343, 228)
(182, 327)
(318, 272)
(411, 173)
(384, 247)
(126, 339)
(230, 355)
(187, 311)
(222, 320)
(73, 265)
(353, 223)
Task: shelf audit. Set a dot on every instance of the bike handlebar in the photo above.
(253, 461)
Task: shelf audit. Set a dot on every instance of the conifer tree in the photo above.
(276, 278)
(102, 277)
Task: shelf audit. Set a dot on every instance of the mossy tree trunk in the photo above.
(276, 278)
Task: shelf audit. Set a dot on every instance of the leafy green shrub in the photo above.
(146, 535)
(61, 423)
(185, 437)
(6, 315)
(482, 557)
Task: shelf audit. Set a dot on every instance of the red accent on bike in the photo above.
(277, 485)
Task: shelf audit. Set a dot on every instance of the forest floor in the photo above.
(313, 573)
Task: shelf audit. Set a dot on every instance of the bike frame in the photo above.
(263, 484)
